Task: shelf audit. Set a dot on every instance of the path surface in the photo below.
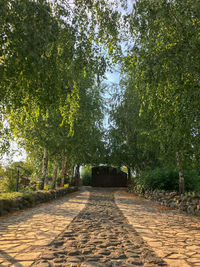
(103, 227)
(174, 236)
(24, 236)
(99, 236)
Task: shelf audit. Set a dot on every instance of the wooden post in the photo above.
(44, 169)
(181, 174)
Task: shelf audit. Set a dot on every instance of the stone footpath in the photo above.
(99, 236)
(25, 234)
(103, 227)
(174, 236)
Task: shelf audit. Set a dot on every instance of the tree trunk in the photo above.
(129, 176)
(55, 174)
(63, 174)
(71, 181)
(44, 169)
(181, 174)
(77, 175)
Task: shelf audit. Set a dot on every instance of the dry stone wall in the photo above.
(32, 199)
(189, 204)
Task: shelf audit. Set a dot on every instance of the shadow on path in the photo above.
(99, 236)
(9, 258)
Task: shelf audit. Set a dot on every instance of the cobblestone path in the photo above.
(99, 236)
(24, 235)
(103, 227)
(174, 236)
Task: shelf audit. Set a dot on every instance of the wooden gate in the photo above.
(108, 177)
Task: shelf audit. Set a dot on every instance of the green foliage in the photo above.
(167, 179)
(49, 50)
(158, 179)
(130, 135)
(10, 195)
(66, 181)
(192, 181)
(86, 175)
(165, 66)
(8, 184)
(51, 64)
(9, 175)
(47, 187)
(1, 171)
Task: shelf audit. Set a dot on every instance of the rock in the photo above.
(91, 264)
(74, 253)
(58, 243)
(134, 262)
(118, 256)
(191, 209)
(59, 260)
(93, 258)
(74, 259)
(104, 252)
(43, 264)
(86, 251)
(48, 256)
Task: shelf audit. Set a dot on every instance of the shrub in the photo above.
(48, 187)
(167, 179)
(8, 184)
(192, 181)
(86, 175)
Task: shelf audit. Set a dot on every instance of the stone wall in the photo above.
(31, 199)
(189, 204)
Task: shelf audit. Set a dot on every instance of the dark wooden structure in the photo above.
(108, 177)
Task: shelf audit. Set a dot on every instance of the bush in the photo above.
(86, 175)
(8, 184)
(167, 179)
(48, 187)
(192, 181)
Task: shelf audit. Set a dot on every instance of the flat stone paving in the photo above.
(103, 227)
(99, 236)
(25, 234)
(174, 236)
